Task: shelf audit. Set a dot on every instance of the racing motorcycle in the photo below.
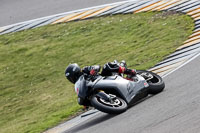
(114, 94)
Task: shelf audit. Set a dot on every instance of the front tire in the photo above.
(156, 83)
(118, 105)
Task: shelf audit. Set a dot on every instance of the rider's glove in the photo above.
(95, 69)
(91, 70)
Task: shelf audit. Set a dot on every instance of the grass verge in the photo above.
(34, 93)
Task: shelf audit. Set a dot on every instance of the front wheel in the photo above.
(156, 83)
(116, 106)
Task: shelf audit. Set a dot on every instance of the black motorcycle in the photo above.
(113, 94)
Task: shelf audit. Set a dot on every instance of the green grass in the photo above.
(34, 93)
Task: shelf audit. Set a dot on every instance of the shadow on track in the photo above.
(91, 123)
(101, 118)
(141, 100)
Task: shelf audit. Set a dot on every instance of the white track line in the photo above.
(73, 122)
(79, 10)
(182, 65)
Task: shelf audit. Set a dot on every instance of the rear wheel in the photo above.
(156, 83)
(115, 106)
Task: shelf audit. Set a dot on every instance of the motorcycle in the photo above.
(114, 94)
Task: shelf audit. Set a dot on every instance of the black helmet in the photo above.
(73, 72)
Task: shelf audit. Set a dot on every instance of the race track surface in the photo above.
(14, 11)
(176, 110)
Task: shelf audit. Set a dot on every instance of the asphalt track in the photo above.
(175, 110)
(14, 11)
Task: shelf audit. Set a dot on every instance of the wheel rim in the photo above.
(114, 103)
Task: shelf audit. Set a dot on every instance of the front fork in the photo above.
(106, 97)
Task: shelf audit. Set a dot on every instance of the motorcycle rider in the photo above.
(73, 72)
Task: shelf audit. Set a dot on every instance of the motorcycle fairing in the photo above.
(126, 88)
(81, 87)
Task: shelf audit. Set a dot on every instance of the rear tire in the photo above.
(117, 107)
(156, 84)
